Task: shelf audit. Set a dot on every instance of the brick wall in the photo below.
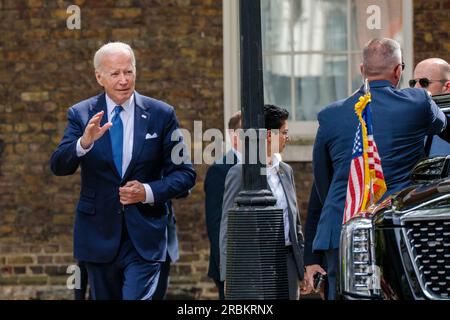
(431, 29)
(44, 69)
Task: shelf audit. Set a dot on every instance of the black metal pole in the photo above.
(256, 253)
(252, 90)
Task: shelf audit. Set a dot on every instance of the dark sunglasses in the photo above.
(424, 82)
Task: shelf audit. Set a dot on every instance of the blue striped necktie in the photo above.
(116, 133)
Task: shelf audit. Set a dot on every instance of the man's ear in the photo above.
(447, 87)
(269, 135)
(398, 72)
(234, 138)
(98, 76)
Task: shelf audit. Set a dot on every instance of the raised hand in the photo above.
(93, 131)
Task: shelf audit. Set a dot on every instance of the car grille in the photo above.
(430, 245)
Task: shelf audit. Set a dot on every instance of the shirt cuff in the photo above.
(148, 194)
(80, 150)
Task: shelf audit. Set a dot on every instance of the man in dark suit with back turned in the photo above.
(214, 190)
(401, 120)
(314, 259)
(172, 256)
(123, 143)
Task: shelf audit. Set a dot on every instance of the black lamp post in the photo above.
(256, 253)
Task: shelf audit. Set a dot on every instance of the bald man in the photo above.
(433, 74)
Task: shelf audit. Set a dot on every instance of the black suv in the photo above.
(401, 248)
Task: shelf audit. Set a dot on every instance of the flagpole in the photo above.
(372, 195)
(360, 171)
(366, 86)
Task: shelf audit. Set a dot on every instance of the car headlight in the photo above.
(359, 273)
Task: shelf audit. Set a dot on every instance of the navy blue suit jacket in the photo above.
(439, 147)
(401, 120)
(312, 219)
(100, 215)
(214, 188)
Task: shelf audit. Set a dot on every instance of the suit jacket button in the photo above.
(119, 211)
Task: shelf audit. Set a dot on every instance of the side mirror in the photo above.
(430, 169)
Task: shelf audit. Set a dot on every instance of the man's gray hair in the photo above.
(113, 47)
(381, 55)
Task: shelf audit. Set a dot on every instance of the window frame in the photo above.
(302, 133)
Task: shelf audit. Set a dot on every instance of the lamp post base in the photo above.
(256, 251)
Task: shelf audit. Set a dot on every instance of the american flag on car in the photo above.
(366, 183)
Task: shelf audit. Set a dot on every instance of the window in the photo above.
(311, 54)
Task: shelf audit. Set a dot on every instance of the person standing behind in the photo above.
(401, 120)
(313, 260)
(214, 190)
(280, 179)
(80, 293)
(172, 256)
(123, 143)
(433, 74)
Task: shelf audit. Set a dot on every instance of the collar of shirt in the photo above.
(277, 189)
(238, 155)
(275, 167)
(110, 105)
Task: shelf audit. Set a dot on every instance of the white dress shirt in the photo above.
(127, 117)
(277, 189)
(238, 155)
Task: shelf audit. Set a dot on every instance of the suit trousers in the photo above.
(80, 294)
(163, 282)
(292, 275)
(221, 288)
(332, 261)
(127, 277)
